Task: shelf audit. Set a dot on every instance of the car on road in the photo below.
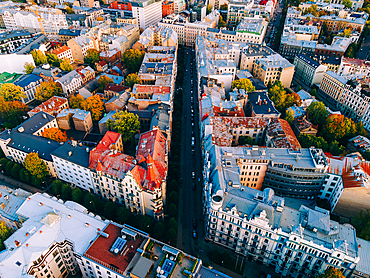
(193, 175)
(194, 222)
(193, 151)
(192, 141)
(194, 234)
(192, 124)
(193, 186)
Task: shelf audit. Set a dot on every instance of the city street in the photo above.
(273, 24)
(363, 53)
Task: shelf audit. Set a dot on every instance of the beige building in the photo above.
(156, 36)
(273, 68)
(75, 119)
(332, 87)
(128, 20)
(80, 45)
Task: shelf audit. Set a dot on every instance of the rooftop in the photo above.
(76, 113)
(261, 104)
(11, 200)
(360, 142)
(74, 153)
(60, 50)
(51, 106)
(282, 135)
(308, 61)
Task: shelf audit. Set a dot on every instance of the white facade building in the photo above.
(308, 71)
(148, 12)
(70, 82)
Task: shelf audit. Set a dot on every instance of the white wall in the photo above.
(15, 62)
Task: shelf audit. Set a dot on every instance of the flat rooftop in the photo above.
(100, 252)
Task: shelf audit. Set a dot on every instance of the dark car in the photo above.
(194, 222)
(193, 175)
(193, 186)
(194, 234)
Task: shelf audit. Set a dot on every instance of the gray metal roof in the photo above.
(76, 154)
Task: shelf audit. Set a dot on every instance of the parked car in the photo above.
(193, 175)
(194, 234)
(194, 222)
(193, 186)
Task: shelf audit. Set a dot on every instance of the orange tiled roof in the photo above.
(60, 50)
(282, 134)
(51, 106)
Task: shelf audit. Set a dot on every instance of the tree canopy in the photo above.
(132, 79)
(317, 113)
(243, 83)
(95, 105)
(103, 82)
(124, 123)
(28, 68)
(133, 59)
(5, 232)
(65, 65)
(331, 273)
(12, 112)
(38, 57)
(55, 134)
(246, 140)
(76, 101)
(221, 22)
(35, 166)
(281, 99)
(10, 92)
(347, 3)
(53, 59)
(362, 224)
(92, 57)
(47, 90)
(338, 126)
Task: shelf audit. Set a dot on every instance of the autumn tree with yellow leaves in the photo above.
(55, 134)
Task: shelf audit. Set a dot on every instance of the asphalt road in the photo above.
(190, 196)
(363, 53)
(274, 23)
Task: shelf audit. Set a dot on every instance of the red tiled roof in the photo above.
(357, 62)
(282, 134)
(152, 89)
(102, 63)
(115, 88)
(109, 138)
(99, 251)
(60, 50)
(52, 106)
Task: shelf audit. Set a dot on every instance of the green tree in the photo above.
(171, 234)
(347, 3)
(317, 113)
(65, 65)
(307, 141)
(53, 59)
(38, 57)
(246, 140)
(132, 79)
(76, 101)
(172, 210)
(362, 224)
(159, 230)
(47, 90)
(133, 59)
(77, 195)
(174, 197)
(36, 166)
(337, 127)
(3, 162)
(335, 148)
(209, 9)
(243, 83)
(351, 50)
(5, 232)
(103, 82)
(224, 7)
(123, 214)
(56, 187)
(314, 93)
(110, 210)
(221, 22)
(289, 116)
(8, 167)
(125, 123)
(172, 223)
(91, 57)
(66, 191)
(24, 175)
(331, 273)
(14, 172)
(10, 92)
(28, 68)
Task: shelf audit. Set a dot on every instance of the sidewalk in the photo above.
(10, 182)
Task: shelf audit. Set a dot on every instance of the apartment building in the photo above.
(148, 12)
(71, 161)
(359, 144)
(156, 36)
(260, 105)
(67, 34)
(251, 53)
(349, 66)
(29, 83)
(237, 10)
(70, 82)
(279, 134)
(261, 227)
(64, 52)
(75, 119)
(79, 46)
(168, 7)
(332, 87)
(26, 138)
(273, 68)
(308, 71)
(301, 125)
(52, 106)
(11, 40)
(139, 182)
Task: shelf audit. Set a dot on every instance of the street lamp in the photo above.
(92, 202)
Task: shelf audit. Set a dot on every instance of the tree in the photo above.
(47, 90)
(24, 175)
(35, 166)
(5, 232)
(224, 7)
(76, 101)
(132, 79)
(95, 105)
(69, 10)
(338, 126)
(347, 32)
(246, 140)
(314, 93)
(351, 50)
(159, 230)
(331, 272)
(110, 210)
(221, 22)
(174, 197)
(362, 224)
(125, 123)
(28, 68)
(10, 92)
(335, 149)
(103, 82)
(38, 57)
(65, 65)
(132, 59)
(14, 172)
(3, 162)
(289, 116)
(77, 195)
(66, 191)
(91, 57)
(56, 187)
(12, 112)
(55, 134)
(123, 214)
(209, 9)
(243, 83)
(8, 167)
(172, 210)
(171, 234)
(307, 141)
(317, 113)
(347, 3)
(53, 59)
(172, 223)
